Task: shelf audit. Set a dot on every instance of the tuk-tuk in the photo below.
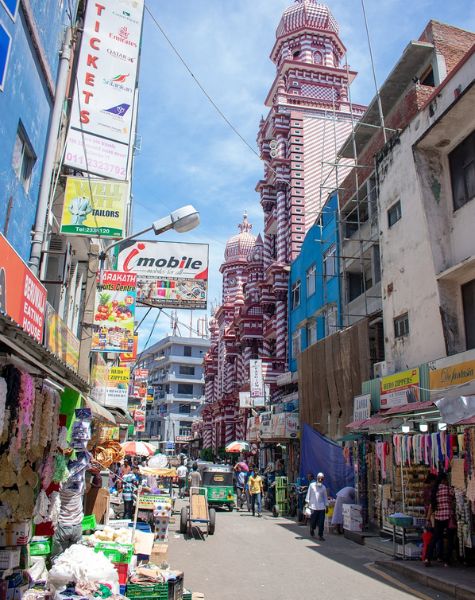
(219, 484)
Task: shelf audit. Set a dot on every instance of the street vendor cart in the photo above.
(197, 514)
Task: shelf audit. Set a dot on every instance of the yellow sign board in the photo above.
(453, 375)
(119, 375)
(94, 207)
(400, 388)
(400, 380)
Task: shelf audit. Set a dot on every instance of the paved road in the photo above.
(276, 559)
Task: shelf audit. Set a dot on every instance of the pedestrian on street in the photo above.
(195, 477)
(181, 472)
(317, 501)
(256, 487)
(345, 496)
(129, 483)
(241, 480)
(443, 515)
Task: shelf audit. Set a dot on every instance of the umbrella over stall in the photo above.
(238, 446)
(139, 449)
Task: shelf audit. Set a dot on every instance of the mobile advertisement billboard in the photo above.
(169, 274)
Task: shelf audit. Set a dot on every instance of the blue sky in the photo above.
(189, 154)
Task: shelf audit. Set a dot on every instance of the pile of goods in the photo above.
(108, 452)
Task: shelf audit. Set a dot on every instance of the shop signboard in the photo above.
(114, 313)
(245, 400)
(140, 374)
(183, 438)
(256, 379)
(443, 376)
(110, 385)
(22, 296)
(60, 340)
(103, 111)
(292, 425)
(129, 357)
(361, 407)
(94, 207)
(139, 420)
(253, 429)
(265, 427)
(169, 274)
(400, 388)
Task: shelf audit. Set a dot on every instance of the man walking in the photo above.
(129, 485)
(255, 489)
(317, 501)
(182, 472)
(195, 477)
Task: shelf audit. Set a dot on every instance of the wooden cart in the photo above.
(197, 513)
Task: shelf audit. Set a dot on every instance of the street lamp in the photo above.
(181, 220)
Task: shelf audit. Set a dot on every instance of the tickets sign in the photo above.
(22, 296)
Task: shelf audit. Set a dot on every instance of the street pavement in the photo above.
(276, 559)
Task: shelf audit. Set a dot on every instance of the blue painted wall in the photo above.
(320, 237)
(25, 99)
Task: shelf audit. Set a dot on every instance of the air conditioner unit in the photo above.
(274, 153)
(273, 144)
(380, 369)
(58, 258)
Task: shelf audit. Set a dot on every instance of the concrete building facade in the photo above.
(175, 366)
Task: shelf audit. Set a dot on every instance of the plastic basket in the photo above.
(89, 522)
(155, 591)
(145, 527)
(40, 547)
(117, 553)
(401, 521)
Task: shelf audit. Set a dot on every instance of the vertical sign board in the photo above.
(361, 407)
(5, 45)
(256, 383)
(22, 296)
(169, 274)
(103, 101)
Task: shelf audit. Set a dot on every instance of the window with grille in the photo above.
(311, 280)
(23, 159)
(401, 326)
(329, 262)
(296, 294)
(462, 171)
(394, 214)
(311, 333)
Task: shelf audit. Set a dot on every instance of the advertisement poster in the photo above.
(169, 274)
(22, 296)
(60, 340)
(104, 98)
(257, 382)
(114, 313)
(110, 385)
(94, 207)
(361, 407)
(139, 420)
(129, 357)
(400, 388)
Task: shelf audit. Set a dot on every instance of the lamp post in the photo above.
(181, 220)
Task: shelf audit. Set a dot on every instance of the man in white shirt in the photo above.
(182, 472)
(317, 501)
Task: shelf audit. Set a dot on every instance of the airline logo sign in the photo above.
(169, 274)
(104, 97)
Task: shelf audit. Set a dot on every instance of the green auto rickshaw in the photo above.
(219, 484)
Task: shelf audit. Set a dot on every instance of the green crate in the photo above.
(40, 547)
(89, 522)
(187, 596)
(155, 591)
(117, 553)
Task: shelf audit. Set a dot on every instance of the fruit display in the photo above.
(114, 310)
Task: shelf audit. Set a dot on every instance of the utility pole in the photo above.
(39, 231)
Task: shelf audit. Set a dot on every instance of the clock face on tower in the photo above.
(231, 280)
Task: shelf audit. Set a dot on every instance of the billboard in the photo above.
(22, 296)
(60, 340)
(400, 388)
(110, 385)
(114, 313)
(169, 274)
(102, 113)
(94, 207)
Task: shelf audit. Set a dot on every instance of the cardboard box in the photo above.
(9, 558)
(159, 553)
(16, 534)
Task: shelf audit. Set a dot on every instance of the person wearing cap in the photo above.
(317, 502)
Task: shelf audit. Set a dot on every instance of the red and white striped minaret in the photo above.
(309, 119)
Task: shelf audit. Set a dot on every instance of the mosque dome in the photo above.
(307, 14)
(239, 246)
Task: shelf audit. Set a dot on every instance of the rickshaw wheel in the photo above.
(184, 519)
(212, 521)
